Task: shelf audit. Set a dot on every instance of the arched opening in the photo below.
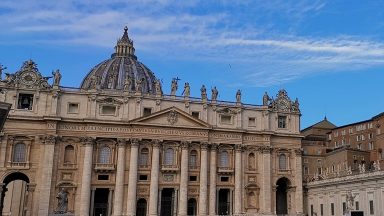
(104, 155)
(19, 153)
(192, 207)
(251, 161)
(193, 159)
(224, 161)
(69, 154)
(141, 207)
(143, 160)
(15, 194)
(169, 154)
(281, 196)
(282, 162)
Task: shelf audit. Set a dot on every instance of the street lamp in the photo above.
(4, 109)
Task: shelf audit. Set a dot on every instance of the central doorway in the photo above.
(167, 202)
(281, 196)
(14, 195)
(101, 202)
(224, 202)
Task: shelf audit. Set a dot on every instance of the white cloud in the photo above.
(172, 27)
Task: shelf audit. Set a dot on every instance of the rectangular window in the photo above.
(332, 209)
(344, 206)
(25, 101)
(321, 210)
(225, 119)
(357, 205)
(371, 210)
(103, 177)
(143, 177)
(306, 170)
(251, 122)
(73, 108)
(147, 111)
(370, 146)
(108, 110)
(196, 114)
(350, 130)
(192, 178)
(224, 178)
(282, 122)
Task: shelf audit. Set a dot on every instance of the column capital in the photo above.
(87, 141)
(238, 148)
(214, 146)
(49, 139)
(204, 146)
(266, 149)
(122, 142)
(156, 143)
(135, 142)
(298, 152)
(184, 144)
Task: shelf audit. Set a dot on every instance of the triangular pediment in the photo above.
(173, 117)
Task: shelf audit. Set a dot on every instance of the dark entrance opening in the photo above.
(167, 202)
(18, 182)
(101, 202)
(141, 208)
(192, 207)
(281, 196)
(224, 203)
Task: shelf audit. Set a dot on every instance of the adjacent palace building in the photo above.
(123, 144)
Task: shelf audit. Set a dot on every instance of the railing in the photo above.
(225, 170)
(172, 167)
(104, 167)
(19, 165)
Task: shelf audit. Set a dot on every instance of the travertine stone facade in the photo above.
(120, 146)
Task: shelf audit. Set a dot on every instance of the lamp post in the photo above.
(4, 109)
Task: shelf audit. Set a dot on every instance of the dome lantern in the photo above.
(124, 46)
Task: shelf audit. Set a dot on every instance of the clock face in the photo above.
(28, 78)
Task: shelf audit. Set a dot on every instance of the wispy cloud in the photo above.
(260, 54)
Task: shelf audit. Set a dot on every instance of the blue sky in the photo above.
(329, 54)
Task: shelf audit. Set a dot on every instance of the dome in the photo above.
(122, 71)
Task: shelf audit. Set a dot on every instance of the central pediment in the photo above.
(172, 117)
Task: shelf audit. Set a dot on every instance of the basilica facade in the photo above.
(125, 144)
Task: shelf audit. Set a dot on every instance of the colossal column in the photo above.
(46, 175)
(154, 187)
(85, 190)
(183, 197)
(203, 180)
(212, 180)
(266, 190)
(120, 169)
(299, 182)
(132, 179)
(238, 179)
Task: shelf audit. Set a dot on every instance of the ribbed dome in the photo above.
(122, 71)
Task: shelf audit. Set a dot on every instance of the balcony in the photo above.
(68, 166)
(225, 170)
(169, 168)
(100, 167)
(194, 168)
(18, 165)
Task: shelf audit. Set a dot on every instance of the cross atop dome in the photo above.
(124, 46)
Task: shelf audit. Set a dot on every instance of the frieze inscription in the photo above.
(131, 130)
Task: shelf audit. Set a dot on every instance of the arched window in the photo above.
(104, 155)
(69, 154)
(193, 158)
(169, 154)
(143, 160)
(224, 159)
(283, 162)
(251, 161)
(19, 153)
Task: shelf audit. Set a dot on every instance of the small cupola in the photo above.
(124, 46)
